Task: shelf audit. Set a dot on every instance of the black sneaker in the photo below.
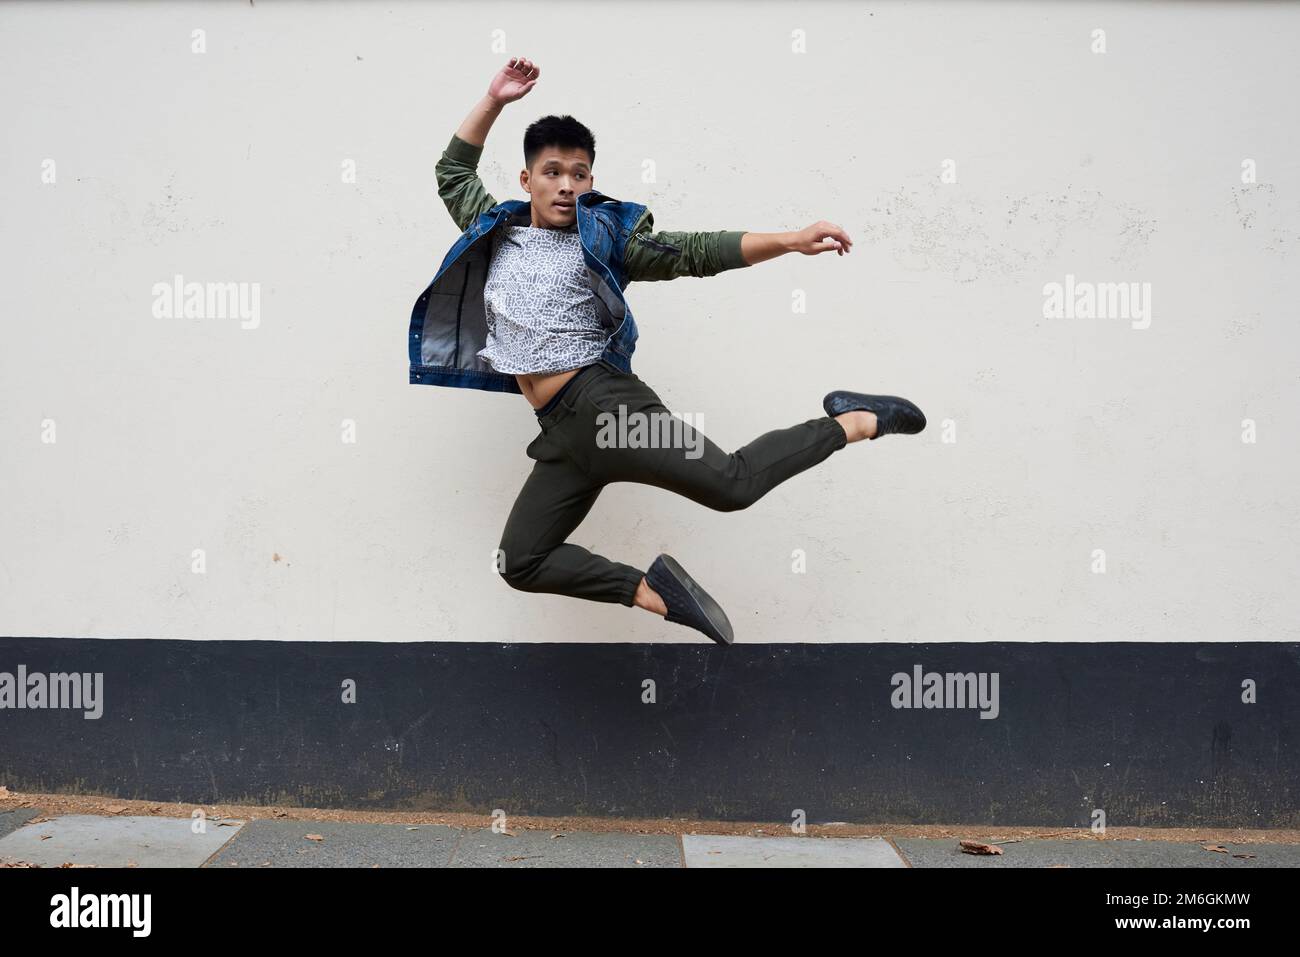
(893, 415)
(688, 603)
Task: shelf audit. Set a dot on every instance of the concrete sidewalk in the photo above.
(28, 838)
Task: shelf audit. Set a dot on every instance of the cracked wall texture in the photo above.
(1071, 435)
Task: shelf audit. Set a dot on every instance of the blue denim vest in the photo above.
(449, 324)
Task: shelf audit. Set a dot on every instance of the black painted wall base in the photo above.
(1151, 734)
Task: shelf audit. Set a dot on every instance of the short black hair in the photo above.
(562, 131)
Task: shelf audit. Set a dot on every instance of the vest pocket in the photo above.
(438, 339)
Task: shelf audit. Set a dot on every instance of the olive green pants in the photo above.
(608, 426)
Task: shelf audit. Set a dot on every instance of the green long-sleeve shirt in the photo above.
(649, 255)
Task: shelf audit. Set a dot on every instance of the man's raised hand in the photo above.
(513, 80)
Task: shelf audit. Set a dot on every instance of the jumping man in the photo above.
(530, 300)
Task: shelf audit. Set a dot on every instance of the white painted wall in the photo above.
(1071, 435)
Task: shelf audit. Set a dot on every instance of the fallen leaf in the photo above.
(1217, 848)
(975, 847)
(115, 808)
(46, 837)
(1244, 857)
(313, 837)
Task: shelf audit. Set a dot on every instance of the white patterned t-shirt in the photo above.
(539, 304)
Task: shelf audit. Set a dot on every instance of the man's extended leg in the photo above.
(679, 457)
(699, 470)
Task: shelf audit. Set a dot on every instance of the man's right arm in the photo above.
(459, 185)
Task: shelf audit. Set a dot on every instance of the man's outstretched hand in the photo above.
(821, 237)
(513, 80)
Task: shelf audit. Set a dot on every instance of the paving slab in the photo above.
(715, 850)
(482, 848)
(115, 841)
(12, 820)
(285, 844)
(927, 852)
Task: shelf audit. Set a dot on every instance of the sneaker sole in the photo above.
(712, 611)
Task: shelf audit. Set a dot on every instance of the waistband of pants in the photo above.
(555, 399)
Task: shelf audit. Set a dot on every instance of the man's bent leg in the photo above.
(555, 499)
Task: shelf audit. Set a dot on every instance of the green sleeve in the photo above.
(459, 184)
(652, 256)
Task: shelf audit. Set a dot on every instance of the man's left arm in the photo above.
(652, 256)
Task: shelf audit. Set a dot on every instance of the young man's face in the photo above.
(559, 175)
